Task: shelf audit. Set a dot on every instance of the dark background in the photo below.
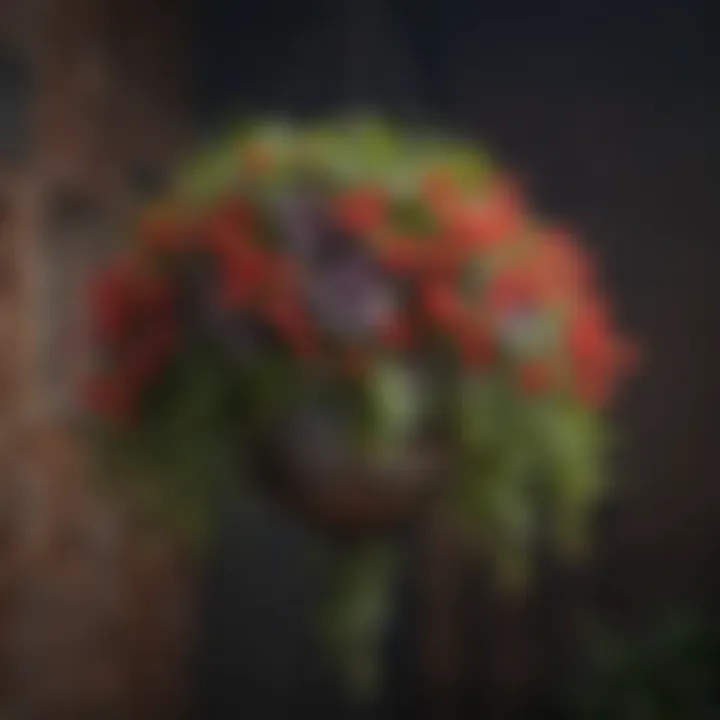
(610, 113)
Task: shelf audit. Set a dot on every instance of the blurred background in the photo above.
(608, 112)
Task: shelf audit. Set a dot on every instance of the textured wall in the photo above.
(92, 609)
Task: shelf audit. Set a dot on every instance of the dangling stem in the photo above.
(356, 612)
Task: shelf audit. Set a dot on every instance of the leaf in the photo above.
(356, 611)
(396, 405)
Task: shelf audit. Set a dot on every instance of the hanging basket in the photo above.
(354, 497)
(395, 284)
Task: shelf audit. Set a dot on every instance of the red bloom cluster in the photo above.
(361, 210)
(254, 277)
(597, 355)
(517, 270)
(548, 271)
(133, 319)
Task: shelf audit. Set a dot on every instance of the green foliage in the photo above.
(671, 671)
(350, 150)
(395, 407)
(532, 467)
(192, 431)
(356, 609)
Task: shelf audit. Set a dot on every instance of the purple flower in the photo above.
(348, 291)
(350, 295)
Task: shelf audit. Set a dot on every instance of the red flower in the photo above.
(477, 347)
(512, 289)
(133, 319)
(438, 188)
(280, 302)
(228, 224)
(281, 274)
(444, 258)
(535, 377)
(113, 303)
(495, 220)
(399, 254)
(148, 356)
(397, 333)
(243, 271)
(442, 306)
(597, 356)
(594, 385)
(589, 336)
(561, 266)
(155, 298)
(243, 265)
(361, 210)
(287, 316)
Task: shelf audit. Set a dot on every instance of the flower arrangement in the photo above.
(387, 289)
